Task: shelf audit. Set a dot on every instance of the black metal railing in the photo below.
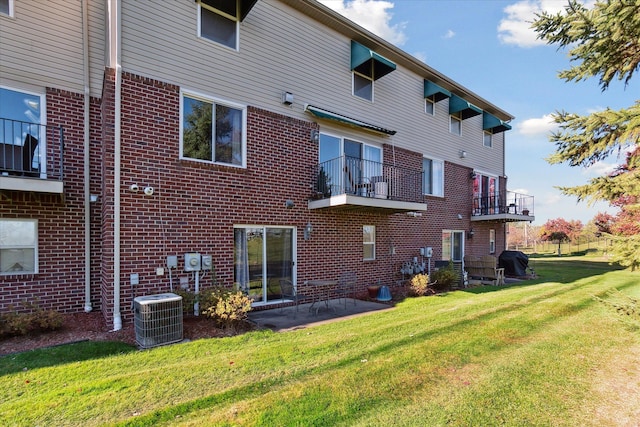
(365, 178)
(507, 202)
(31, 149)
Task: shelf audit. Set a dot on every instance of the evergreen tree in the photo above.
(603, 42)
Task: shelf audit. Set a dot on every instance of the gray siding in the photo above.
(281, 50)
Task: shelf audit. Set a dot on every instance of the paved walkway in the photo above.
(288, 319)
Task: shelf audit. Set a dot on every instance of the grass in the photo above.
(538, 353)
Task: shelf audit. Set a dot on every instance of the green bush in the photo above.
(444, 278)
(31, 319)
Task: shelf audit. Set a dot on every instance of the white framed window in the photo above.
(455, 124)
(6, 7)
(368, 242)
(212, 131)
(363, 86)
(433, 177)
(18, 246)
(487, 139)
(492, 241)
(219, 21)
(430, 106)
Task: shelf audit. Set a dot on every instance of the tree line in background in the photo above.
(602, 41)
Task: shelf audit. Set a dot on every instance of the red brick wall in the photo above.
(59, 283)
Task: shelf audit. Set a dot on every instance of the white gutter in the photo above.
(87, 189)
(117, 319)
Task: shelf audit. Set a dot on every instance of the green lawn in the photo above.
(544, 352)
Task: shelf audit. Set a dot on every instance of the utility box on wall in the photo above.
(158, 319)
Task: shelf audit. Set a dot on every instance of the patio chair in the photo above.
(347, 287)
(288, 290)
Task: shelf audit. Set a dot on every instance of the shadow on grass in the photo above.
(61, 354)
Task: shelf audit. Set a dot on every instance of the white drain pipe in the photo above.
(87, 170)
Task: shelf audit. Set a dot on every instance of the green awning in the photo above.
(494, 124)
(465, 108)
(438, 93)
(321, 113)
(245, 6)
(367, 62)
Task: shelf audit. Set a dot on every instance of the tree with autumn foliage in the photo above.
(560, 231)
(603, 41)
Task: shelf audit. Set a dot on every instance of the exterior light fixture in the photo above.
(287, 98)
(462, 154)
(314, 136)
(308, 229)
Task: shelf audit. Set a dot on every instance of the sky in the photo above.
(488, 47)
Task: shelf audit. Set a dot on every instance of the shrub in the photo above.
(444, 278)
(227, 308)
(419, 285)
(29, 320)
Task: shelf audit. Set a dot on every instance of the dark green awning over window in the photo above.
(438, 93)
(245, 6)
(321, 113)
(465, 108)
(367, 62)
(494, 124)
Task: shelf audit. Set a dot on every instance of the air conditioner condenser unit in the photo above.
(158, 319)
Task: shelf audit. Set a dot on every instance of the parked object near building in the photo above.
(155, 145)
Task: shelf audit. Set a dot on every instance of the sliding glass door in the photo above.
(263, 256)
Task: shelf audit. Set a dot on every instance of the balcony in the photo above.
(31, 157)
(350, 183)
(505, 207)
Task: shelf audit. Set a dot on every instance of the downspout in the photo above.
(117, 319)
(87, 181)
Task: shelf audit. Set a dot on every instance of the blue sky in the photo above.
(488, 47)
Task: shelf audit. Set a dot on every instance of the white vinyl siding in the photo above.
(278, 42)
(42, 46)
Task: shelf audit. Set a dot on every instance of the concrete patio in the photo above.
(288, 318)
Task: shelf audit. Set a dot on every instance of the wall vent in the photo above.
(158, 319)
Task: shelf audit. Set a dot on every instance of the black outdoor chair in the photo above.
(347, 287)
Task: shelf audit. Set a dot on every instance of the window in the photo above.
(433, 177)
(363, 86)
(18, 246)
(212, 131)
(430, 106)
(492, 241)
(487, 139)
(6, 7)
(218, 21)
(369, 242)
(455, 124)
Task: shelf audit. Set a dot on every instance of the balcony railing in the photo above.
(365, 178)
(507, 205)
(31, 150)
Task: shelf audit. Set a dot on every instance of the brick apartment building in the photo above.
(259, 140)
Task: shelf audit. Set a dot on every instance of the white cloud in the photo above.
(600, 169)
(374, 15)
(537, 126)
(421, 56)
(515, 28)
(449, 34)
